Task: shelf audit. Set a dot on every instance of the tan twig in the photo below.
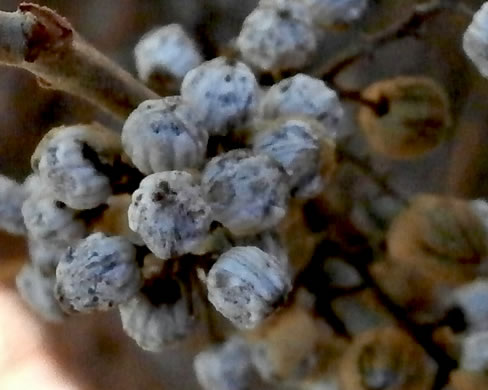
(37, 39)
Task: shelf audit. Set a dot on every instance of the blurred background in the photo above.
(91, 352)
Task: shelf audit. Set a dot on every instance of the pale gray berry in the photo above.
(268, 241)
(72, 162)
(157, 319)
(225, 367)
(12, 195)
(49, 219)
(472, 300)
(169, 213)
(45, 255)
(37, 290)
(248, 192)
(162, 135)
(166, 51)
(296, 145)
(474, 352)
(304, 95)
(98, 273)
(246, 284)
(331, 12)
(475, 40)
(277, 35)
(224, 92)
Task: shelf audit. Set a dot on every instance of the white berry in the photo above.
(248, 193)
(166, 51)
(98, 273)
(224, 92)
(162, 135)
(304, 95)
(277, 35)
(246, 284)
(169, 213)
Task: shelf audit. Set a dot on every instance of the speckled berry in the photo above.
(224, 92)
(98, 273)
(162, 135)
(246, 284)
(247, 192)
(169, 213)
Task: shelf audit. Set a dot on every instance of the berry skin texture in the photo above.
(277, 36)
(12, 195)
(224, 92)
(411, 119)
(475, 40)
(162, 135)
(225, 367)
(37, 290)
(170, 214)
(304, 95)
(166, 51)
(248, 193)
(68, 160)
(97, 274)
(246, 284)
(296, 145)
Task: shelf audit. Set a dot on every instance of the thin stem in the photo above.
(37, 39)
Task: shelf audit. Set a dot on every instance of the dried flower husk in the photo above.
(410, 118)
(440, 235)
(386, 358)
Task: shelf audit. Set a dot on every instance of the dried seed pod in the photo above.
(74, 161)
(162, 135)
(441, 236)
(45, 255)
(332, 12)
(51, 220)
(37, 290)
(472, 300)
(246, 284)
(248, 193)
(224, 93)
(475, 40)
(159, 315)
(295, 144)
(473, 352)
(411, 116)
(283, 349)
(170, 215)
(225, 367)
(386, 358)
(304, 95)
(166, 52)
(98, 273)
(114, 222)
(12, 195)
(277, 36)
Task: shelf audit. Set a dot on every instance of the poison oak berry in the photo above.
(225, 367)
(410, 116)
(74, 161)
(162, 134)
(37, 290)
(386, 358)
(475, 40)
(304, 95)
(170, 215)
(247, 192)
(441, 236)
(166, 52)
(277, 36)
(246, 285)
(98, 273)
(223, 92)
